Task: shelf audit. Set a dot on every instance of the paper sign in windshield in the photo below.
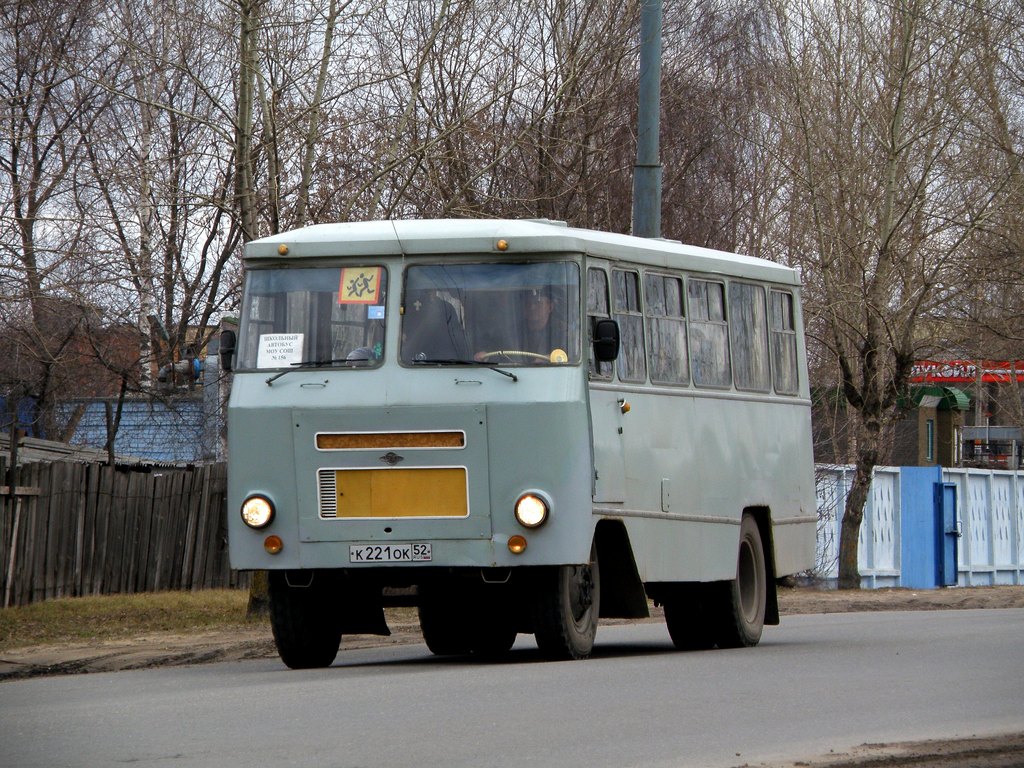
(278, 350)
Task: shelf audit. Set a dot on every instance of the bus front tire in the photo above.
(306, 632)
(742, 601)
(567, 610)
(443, 624)
(493, 638)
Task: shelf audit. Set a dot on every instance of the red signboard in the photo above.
(966, 371)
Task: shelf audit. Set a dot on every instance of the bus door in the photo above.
(606, 417)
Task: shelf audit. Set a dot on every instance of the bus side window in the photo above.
(666, 329)
(597, 309)
(749, 335)
(783, 343)
(709, 334)
(631, 364)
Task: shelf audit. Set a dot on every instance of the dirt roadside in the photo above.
(164, 649)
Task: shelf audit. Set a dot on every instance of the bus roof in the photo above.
(424, 237)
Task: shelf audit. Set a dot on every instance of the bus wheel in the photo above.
(455, 623)
(688, 618)
(566, 610)
(443, 623)
(493, 639)
(306, 633)
(742, 600)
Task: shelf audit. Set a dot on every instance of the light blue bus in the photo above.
(519, 427)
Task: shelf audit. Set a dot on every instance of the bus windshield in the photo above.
(311, 317)
(507, 313)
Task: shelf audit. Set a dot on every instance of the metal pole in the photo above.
(647, 171)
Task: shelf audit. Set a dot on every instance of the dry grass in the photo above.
(96, 619)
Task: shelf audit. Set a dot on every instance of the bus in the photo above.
(515, 426)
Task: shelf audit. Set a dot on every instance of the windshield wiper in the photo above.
(315, 364)
(456, 361)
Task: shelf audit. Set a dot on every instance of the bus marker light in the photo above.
(501, 245)
(273, 544)
(516, 544)
(282, 249)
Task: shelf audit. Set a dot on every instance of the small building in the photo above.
(929, 435)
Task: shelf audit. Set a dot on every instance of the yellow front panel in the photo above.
(435, 492)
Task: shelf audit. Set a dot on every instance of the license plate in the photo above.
(389, 553)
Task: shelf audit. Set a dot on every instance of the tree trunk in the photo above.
(849, 534)
(868, 442)
(259, 596)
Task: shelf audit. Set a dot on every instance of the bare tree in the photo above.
(882, 200)
(50, 66)
(161, 195)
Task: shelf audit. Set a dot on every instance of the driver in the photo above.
(536, 331)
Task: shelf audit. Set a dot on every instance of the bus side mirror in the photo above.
(606, 340)
(227, 349)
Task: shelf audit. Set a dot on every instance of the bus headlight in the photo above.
(257, 511)
(531, 510)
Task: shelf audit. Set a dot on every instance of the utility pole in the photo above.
(647, 171)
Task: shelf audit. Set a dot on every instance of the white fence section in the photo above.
(990, 517)
(990, 514)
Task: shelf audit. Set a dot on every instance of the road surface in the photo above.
(817, 683)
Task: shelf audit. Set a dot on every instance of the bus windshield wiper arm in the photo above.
(456, 361)
(310, 364)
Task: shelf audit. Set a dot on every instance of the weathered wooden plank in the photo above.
(56, 529)
(190, 508)
(66, 528)
(198, 501)
(136, 552)
(117, 535)
(91, 491)
(6, 536)
(218, 501)
(180, 494)
(36, 527)
(81, 497)
(101, 549)
(160, 531)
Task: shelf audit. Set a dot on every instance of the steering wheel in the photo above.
(511, 353)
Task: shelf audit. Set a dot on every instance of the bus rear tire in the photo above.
(742, 601)
(566, 610)
(307, 634)
(688, 619)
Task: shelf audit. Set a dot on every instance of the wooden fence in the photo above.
(75, 529)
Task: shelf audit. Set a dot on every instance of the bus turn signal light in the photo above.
(516, 544)
(273, 544)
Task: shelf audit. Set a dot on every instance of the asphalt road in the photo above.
(816, 683)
